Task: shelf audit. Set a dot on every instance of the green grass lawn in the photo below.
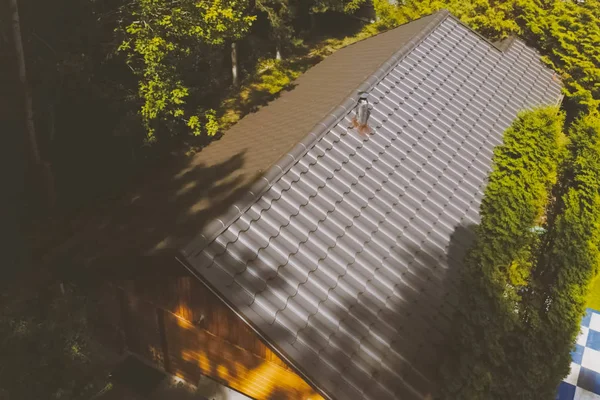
(594, 296)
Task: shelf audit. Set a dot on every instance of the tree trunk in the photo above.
(234, 65)
(42, 170)
(18, 41)
(51, 124)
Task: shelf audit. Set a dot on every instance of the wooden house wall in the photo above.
(179, 325)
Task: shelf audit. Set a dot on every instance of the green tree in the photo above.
(568, 261)
(567, 33)
(486, 346)
(158, 40)
(343, 6)
(47, 350)
(280, 14)
(526, 288)
(493, 19)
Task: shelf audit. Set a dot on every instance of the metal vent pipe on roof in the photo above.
(361, 115)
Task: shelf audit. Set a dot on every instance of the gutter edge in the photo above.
(264, 338)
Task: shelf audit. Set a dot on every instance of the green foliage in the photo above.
(525, 292)
(160, 37)
(276, 76)
(345, 6)
(388, 14)
(46, 349)
(208, 123)
(524, 172)
(280, 14)
(498, 268)
(161, 42)
(212, 123)
(570, 258)
(578, 215)
(567, 33)
(494, 19)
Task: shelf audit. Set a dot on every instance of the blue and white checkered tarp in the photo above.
(583, 383)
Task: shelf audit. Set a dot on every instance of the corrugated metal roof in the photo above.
(345, 257)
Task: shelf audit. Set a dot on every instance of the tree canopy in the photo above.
(158, 39)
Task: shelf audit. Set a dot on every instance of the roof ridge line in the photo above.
(279, 168)
(502, 45)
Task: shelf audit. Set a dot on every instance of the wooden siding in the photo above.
(181, 327)
(194, 351)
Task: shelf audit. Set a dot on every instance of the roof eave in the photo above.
(264, 338)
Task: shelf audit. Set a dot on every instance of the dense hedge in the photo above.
(569, 260)
(497, 269)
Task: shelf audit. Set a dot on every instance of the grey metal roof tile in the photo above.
(312, 338)
(214, 271)
(309, 254)
(360, 378)
(267, 304)
(341, 346)
(377, 391)
(369, 357)
(397, 308)
(393, 273)
(351, 283)
(348, 249)
(230, 263)
(347, 391)
(311, 357)
(250, 281)
(396, 384)
(341, 254)
(414, 274)
(323, 278)
(315, 289)
(293, 274)
(370, 296)
(323, 324)
(299, 310)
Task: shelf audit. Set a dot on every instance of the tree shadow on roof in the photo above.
(407, 334)
(164, 213)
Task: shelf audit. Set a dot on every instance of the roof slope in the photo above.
(274, 129)
(346, 258)
(177, 198)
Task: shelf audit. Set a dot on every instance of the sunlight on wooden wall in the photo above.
(191, 333)
(236, 367)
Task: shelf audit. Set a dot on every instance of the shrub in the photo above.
(569, 259)
(276, 76)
